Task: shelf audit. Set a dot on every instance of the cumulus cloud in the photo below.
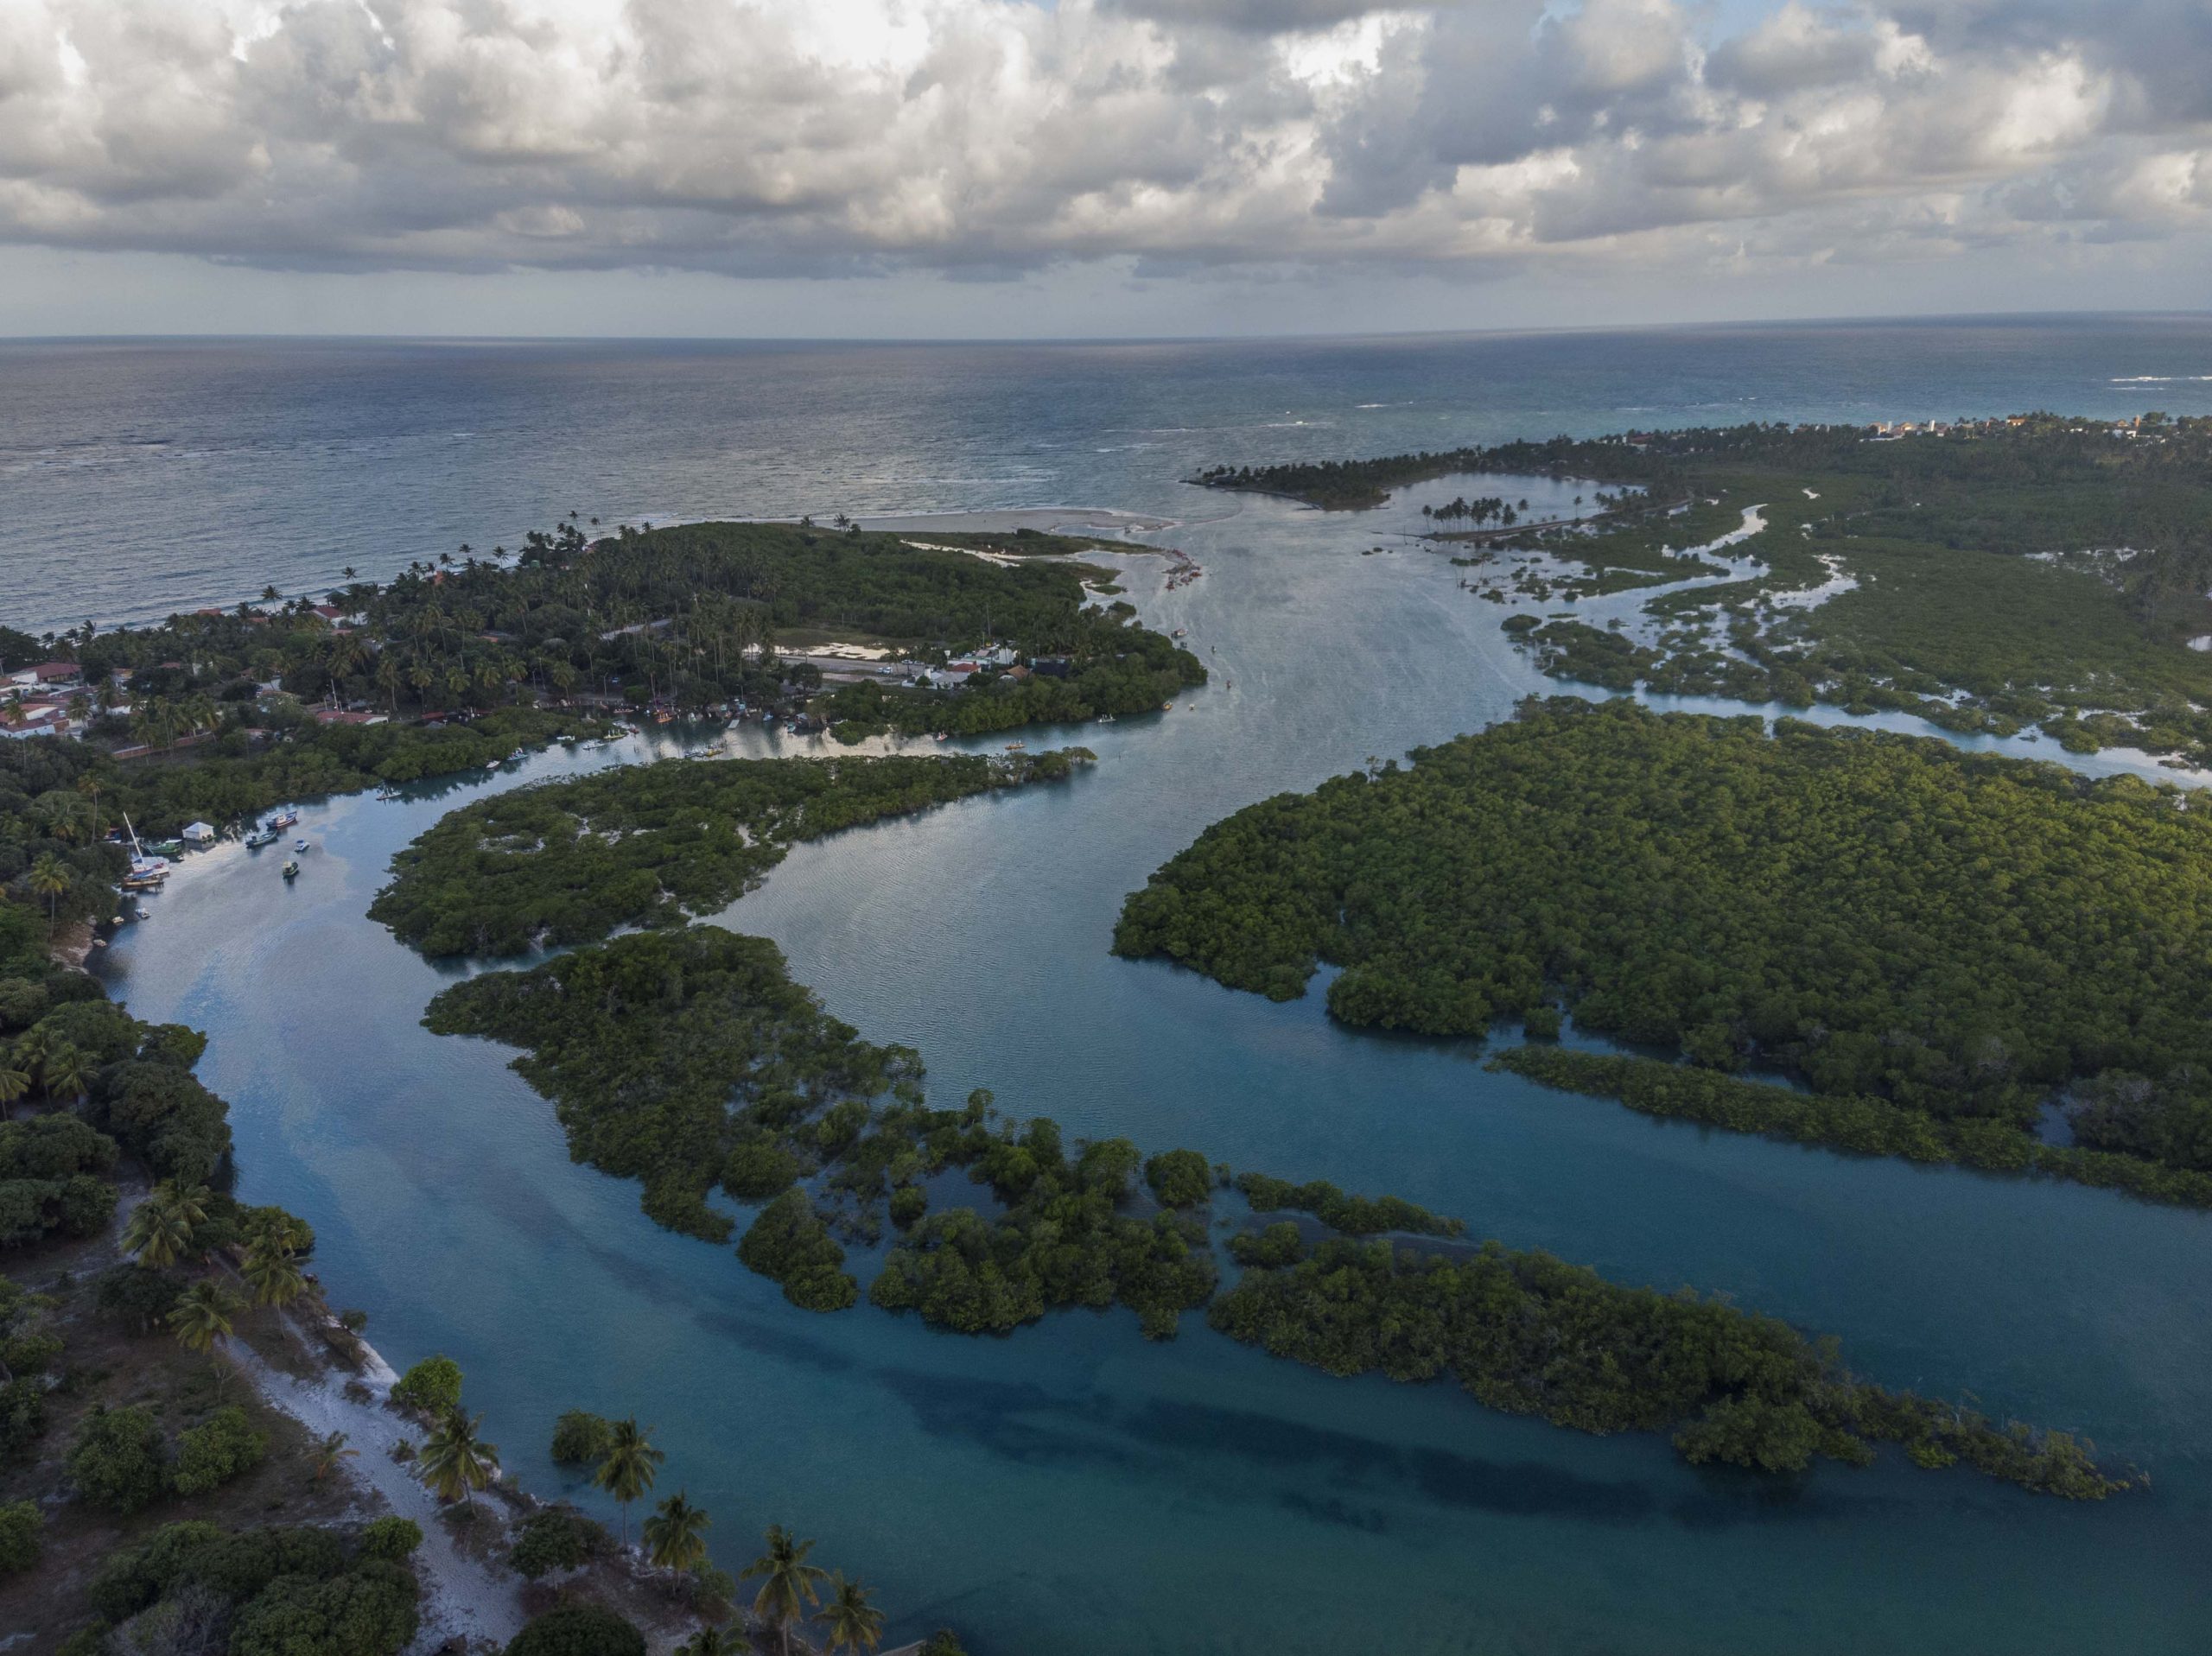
(799, 136)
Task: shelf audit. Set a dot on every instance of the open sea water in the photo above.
(1071, 1487)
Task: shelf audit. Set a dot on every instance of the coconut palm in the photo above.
(14, 1083)
(65, 1072)
(323, 1459)
(50, 878)
(273, 1275)
(202, 1316)
(787, 1584)
(454, 1461)
(628, 1471)
(675, 1535)
(854, 1624)
(160, 1228)
(709, 1640)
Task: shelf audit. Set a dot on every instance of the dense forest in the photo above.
(1525, 1332)
(1965, 935)
(688, 1059)
(216, 713)
(569, 861)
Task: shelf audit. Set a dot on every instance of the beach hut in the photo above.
(198, 833)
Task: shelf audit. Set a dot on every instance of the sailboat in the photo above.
(146, 873)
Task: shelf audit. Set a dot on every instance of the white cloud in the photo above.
(786, 138)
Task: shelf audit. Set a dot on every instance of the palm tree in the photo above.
(454, 1461)
(89, 785)
(675, 1535)
(273, 1275)
(787, 1590)
(14, 1083)
(65, 1072)
(50, 879)
(160, 1231)
(327, 1452)
(854, 1624)
(628, 1471)
(709, 1640)
(202, 1316)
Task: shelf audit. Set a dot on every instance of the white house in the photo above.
(198, 833)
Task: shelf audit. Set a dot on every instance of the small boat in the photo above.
(291, 868)
(942, 736)
(517, 756)
(299, 844)
(284, 817)
(1105, 718)
(1182, 632)
(1167, 706)
(167, 848)
(1015, 748)
(262, 836)
(144, 914)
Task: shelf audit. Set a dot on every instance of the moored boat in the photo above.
(291, 868)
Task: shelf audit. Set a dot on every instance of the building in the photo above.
(47, 676)
(342, 716)
(198, 834)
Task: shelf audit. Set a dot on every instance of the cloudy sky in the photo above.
(920, 168)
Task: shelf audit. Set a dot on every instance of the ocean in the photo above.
(1072, 1487)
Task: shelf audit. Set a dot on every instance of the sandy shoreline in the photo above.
(462, 1597)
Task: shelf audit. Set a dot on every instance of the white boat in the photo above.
(284, 817)
(299, 844)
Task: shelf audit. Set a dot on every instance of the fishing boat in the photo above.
(291, 868)
(167, 848)
(1015, 748)
(260, 837)
(299, 844)
(284, 817)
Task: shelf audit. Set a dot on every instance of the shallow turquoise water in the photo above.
(1072, 1488)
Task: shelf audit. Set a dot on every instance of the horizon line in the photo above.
(1890, 318)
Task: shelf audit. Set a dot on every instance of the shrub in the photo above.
(432, 1386)
(223, 1447)
(119, 1459)
(390, 1538)
(908, 1203)
(20, 1532)
(133, 1294)
(576, 1630)
(581, 1439)
(22, 1415)
(1180, 1179)
(558, 1538)
(239, 1566)
(368, 1611)
(756, 1170)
